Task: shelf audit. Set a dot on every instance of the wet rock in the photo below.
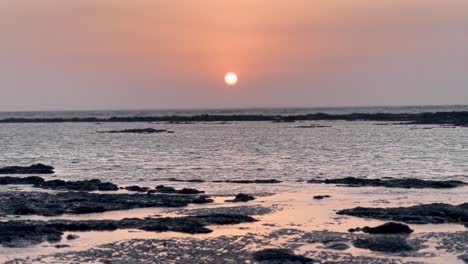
(241, 197)
(62, 246)
(85, 186)
(192, 180)
(20, 181)
(279, 256)
(165, 189)
(268, 181)
(437, 213)
(202, 199)
(33, 169)
(47, 204)
(135, 188)
(337, 246)
(72, 237)
(388, 228)
(189, 191)
(408, 183)
(321, 197)
(384, 243)
(34, 232)
(312, 126)
(464, 258)
(138, 131)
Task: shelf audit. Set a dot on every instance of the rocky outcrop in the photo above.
(33, 169)
(275, 255)
(84, 186)
(24, 233)
(437, 213)
(241, 197)
(137, 131)
(47, 204)
(407, 183)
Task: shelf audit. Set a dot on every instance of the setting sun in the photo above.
(231, 78)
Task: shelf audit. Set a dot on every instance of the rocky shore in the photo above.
(433, 118)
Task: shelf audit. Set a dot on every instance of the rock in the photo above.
(35, 232)
(384, 243)
(202, 199)
(388, 228)
(192, 180)
(138, 131)
(164, 189)
(241, 197)
(408, 183)
(33, 169)
(20, 181)
(48, 204)
(337, 246)
(437, 213)
(85, 186)
(189, 191)
(320, 197)
(464, 258)
(62, 246)
(279, 256)
(135, 188)
(268, 181)
(72, 237)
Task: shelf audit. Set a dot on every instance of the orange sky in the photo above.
(90, 54)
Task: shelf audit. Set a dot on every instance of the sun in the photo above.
(231, 78)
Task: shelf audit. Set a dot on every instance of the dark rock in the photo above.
(34, 232)
(62, 246)
(279, 256)
(268, 181)
(164, 189)
(192, 180)
(84, 186)
(20, 181)
(337, 246)
(135, 188)
(393, 183)
(72, 237)
(437, 213)
(202, 199)
(189, 191)
(33, 169)
(138, 131)
(464, 258)
(47, 204)
(384, 243)
(241, 197)
(388, 228)
(320, 197)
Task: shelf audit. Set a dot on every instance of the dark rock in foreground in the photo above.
(388, 228)
(437, 213)
(166, 189)
(26, 232)
(279, 256)
(321, 197)
(40, 203)
(137, 131)
(384, 243)
(241, 197)
(33, 169)
(266, 181)
(20, 181)
(135, 188)
(393, 183)
(85, 186)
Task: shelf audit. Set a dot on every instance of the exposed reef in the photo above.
(278, 256)
(241, 197)
(437, 213)
(46, 204)
(385, 229)
(86, 185)
(407, 183)
(455, 118)
(33, 169)
(27, 232)
(136, 131)
(256, 181)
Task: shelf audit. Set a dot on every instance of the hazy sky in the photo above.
(149, 54)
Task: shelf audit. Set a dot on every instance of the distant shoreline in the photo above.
(455, 118)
